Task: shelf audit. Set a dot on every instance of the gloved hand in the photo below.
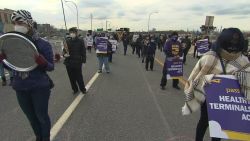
(40, 60)
(2, 57)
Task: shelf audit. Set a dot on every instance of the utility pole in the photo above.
(91, 20)
(106, 25)
(76, 13)
(149, 19)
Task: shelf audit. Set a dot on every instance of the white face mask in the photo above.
(73, 35)
(20, 28)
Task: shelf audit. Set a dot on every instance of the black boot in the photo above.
(38, 138)
(45, 139)
(11, 80)
(4, 81)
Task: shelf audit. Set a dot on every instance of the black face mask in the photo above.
(232, 48)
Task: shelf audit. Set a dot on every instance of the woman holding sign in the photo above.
(225, 58)
(172, 50)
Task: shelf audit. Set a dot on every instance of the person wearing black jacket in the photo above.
(186, 45)
(125, 40)
(139, 45)
(76, 56)
(150, 54)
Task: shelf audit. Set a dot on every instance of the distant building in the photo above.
(5, 22)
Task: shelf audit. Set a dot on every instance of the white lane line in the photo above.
(158, 107)
(62, 120)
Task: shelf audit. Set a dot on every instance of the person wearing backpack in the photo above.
(225, 58)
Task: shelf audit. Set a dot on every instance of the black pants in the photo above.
(164, 78)
(34, 104)
(110, 57)
(138, 51)
(185, 52)
(125, 48)
(149, 59)
(195, 49)
(75, 77)
(133, 49)
(89, 48)
(203, 124)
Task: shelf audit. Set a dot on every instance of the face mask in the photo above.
(20, 28)
(73, 35)
(232, 48)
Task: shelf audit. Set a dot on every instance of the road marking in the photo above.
(182, 80)
(158, 107)
(62, 120)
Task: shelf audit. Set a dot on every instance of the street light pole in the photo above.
(149, 19)
(107, 24)
(64, 16)
(76, 13)
(91, 18)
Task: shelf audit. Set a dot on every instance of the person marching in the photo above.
(110, 47)
(102, 55)
(225, 58)
(145, 43)
(186, 46)
(76, 51)
(125, 40)
(195, 47)
(172, 48)
(138, 45)
(150, 54)
(89, 40)
(161, 41)
(33, 88)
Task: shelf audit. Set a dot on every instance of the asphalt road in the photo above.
(125, 105)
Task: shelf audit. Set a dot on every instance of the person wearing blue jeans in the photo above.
(103, 60)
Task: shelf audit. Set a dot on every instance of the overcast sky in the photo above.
(172, 14)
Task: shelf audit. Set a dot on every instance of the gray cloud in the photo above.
(241, 17)
(217, 9)
(96, 3)
(121, 13)
(233, 11)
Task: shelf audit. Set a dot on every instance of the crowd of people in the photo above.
(33, 88)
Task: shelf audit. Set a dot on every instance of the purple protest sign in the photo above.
(202, 46)
(114, 44)
(101, 44)
(174, 67)
(228, 109)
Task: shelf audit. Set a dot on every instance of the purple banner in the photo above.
(202, 46)
(101, 44)
(174, 67)
(228, 110)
